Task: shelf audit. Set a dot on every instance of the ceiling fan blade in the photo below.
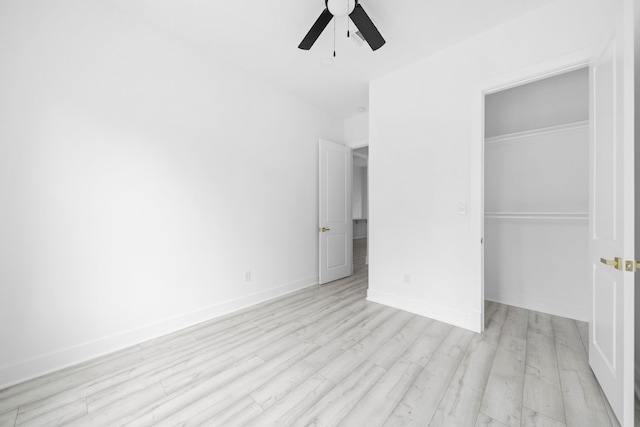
(315, 31)
(367, 28)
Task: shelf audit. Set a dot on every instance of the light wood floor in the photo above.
(324, 356)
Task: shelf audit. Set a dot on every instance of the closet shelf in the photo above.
(551, 130)
(538, 216)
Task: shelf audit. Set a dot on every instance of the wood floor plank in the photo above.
(583, 402)
(236, 415)
(485, 421)
(338, 402)
(495, 321)
(531, 418)
(341, 366)
(269, 393)
(388, 353)
(583, 330)
(108, 414)
(346, 325)
(8, 419)
(376, 406)
(287, 410)
(540, 323)
(612, 416)
(421, 401)
(570, 350)
(425, 346)
(59, 416)
(502, 399)
(516, 323)
(542, 389)
(461, 402)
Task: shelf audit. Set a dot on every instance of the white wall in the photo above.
(139, 179)
(421, 134)
(549, 102)
(356, 129)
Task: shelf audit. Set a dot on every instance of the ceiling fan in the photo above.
(355, 12)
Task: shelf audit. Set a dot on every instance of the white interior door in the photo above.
(336, 226)
(612, 223)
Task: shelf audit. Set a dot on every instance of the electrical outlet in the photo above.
(247, 276)
(407, 279)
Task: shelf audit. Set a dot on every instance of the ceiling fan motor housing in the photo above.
(341, 7)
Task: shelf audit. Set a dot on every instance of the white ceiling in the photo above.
(262, 36)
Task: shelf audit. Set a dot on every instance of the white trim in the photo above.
(358, 144)
(550, 130)
(32, 368)
(446, 315)
(538, 216)
(542, 305)
(541, 71)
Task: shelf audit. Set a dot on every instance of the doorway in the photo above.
(360, 206)
(536, 196)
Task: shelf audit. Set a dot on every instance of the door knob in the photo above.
(615, 263)
(324, 229)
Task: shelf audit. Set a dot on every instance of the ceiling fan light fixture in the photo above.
(341, 7)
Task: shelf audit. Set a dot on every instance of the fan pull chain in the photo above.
(348, 6)
(334, 36)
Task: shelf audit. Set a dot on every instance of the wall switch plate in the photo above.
(406, 278)
(462, 208)
(247, 276)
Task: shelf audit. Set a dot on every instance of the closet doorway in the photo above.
(536, 196)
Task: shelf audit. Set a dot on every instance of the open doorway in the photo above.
(360, 206)
(537, 196)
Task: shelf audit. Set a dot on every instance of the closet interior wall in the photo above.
(536, 195)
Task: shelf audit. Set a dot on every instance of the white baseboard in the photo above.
(33, 368)
(455, 318)
(541, 305)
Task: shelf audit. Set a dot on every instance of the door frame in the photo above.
(540, 71)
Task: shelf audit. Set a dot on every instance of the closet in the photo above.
(536, 195)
